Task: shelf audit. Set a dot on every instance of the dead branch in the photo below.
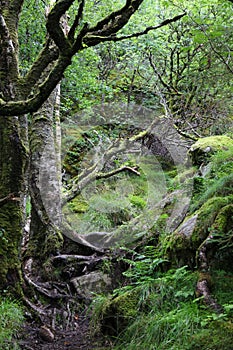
(117, 171)
(92, 173)
(87, 260)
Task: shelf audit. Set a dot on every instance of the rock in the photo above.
(201, 150)
(188, 226)
(46, 334)
(93, 283)
(119, 312)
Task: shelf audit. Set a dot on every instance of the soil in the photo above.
(81, 338)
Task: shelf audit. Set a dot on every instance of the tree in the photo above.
(22, 94)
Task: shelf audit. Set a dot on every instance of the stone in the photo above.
(201, 150)
(188, 226)
(46, 334)
(95, 282)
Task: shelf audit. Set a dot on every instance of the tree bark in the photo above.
(45, 184)
(12, 164)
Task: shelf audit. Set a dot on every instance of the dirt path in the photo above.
(79, 339)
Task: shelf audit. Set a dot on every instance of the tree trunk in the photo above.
(12, 156)
(12, 165)
(45, 184)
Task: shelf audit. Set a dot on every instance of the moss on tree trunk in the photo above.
(12, 163)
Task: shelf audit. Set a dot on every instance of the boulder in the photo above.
(201, 150)
(95, 282)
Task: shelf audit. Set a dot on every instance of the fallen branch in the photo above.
(87, 260)
(117, 171)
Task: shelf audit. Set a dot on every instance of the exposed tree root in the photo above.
(49, 289)
(88, 260)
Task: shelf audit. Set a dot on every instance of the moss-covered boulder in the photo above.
(120, 312)
(215, 213)
(201, 150)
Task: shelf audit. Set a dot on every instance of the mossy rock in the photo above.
(183, 243)
(201, 150)
(120, 312)
(224, 219)
(206, 217)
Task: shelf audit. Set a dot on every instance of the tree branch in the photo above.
(10, 197)
(91, 38)
(53, 24)
(48, 54)
(77, 19)
(116, 20)
(91, 174)
(103, 31)
(117, 171)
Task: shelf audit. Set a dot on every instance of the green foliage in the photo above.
(184, 64)
(162, 331)
(137, 201)
(11, 319)
(31, 32)
(164, 316)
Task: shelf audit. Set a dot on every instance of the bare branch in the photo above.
(91, 174)
(117, 171)
(91, 38)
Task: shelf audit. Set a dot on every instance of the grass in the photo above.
(11, 318)
(167, 315)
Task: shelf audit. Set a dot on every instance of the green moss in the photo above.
(137, 201)
(120, 312)
(181, 246)
(78, 205)
(224, 219)
(202, 149)
(10, 238)
(206, 217)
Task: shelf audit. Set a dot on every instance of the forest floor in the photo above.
(81, 338)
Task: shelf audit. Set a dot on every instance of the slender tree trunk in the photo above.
(44, 183)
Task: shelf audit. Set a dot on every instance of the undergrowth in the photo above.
(167, 315)
(11, 319)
